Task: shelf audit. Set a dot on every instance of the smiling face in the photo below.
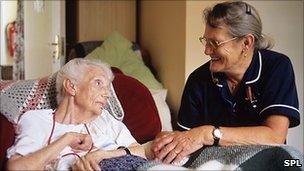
(228, 56)
(92, 91)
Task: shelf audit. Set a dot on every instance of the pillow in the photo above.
(141, 116)
(117, 51)
(17, 97)
(159, 97)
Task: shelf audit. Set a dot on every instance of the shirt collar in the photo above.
(254, 70)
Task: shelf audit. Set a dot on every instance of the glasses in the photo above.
(214, 44)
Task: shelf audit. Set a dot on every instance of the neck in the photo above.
(68, 113)
(236, 74)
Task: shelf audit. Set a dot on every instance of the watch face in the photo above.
(217, 133)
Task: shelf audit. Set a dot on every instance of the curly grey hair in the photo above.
(241, 19)
(75, 70)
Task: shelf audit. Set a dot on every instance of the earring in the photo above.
(244, 52)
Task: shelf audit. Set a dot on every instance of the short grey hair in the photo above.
(241, 19)
(75, 70)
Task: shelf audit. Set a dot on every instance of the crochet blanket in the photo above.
(253, 157)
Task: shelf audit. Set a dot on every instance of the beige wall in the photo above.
(163, 35)
(97, 19)
(195, 27)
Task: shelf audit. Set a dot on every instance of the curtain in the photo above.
(18, 65)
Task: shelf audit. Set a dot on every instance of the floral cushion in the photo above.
(17, 97)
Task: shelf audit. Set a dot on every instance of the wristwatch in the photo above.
(217, 135)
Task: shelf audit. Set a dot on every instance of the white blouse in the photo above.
(34, 129)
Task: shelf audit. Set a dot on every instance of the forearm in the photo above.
(249, 135)
(135, 149)
(142, 150)
(273, 131)
(39, 159)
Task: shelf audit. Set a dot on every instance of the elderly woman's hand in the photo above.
(79, 142)
(89, 162)
(174, 146)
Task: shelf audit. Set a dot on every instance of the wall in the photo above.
(195, 27)
(97, 19)
(162, 33)
(8, 14)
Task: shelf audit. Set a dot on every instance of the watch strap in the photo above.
(216, 139)
(125, 148)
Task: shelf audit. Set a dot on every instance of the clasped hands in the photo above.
(82, 143)
(172, 147)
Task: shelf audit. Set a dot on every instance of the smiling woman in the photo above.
(245, 94)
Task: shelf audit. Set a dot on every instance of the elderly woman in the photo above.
(246, 93)
(54, 139)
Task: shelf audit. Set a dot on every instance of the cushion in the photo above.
(159, 97)
(21, 96)
(141, 116)
(17, 97)
(7, 136)
(117, 51)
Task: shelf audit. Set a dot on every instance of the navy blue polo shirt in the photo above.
(267, 88)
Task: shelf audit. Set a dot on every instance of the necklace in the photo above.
(233, 86)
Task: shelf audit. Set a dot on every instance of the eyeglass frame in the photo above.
(217, 44)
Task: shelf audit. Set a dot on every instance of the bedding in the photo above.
(126, 162)
(247, 157)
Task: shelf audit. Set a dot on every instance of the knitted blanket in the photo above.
(250, 157)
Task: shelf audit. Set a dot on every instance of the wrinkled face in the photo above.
(93, 91)
(227, 56)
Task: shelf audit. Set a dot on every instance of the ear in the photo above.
(69, 87)
(248, 42)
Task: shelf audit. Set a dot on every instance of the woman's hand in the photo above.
(79, 142)
(174, 146)
(89, 161)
